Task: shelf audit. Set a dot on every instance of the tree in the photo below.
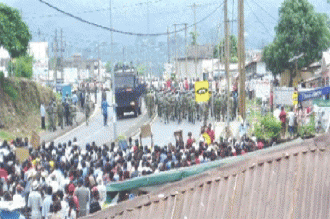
(193, 38)
(14, 33)
(141, 69)
(300, 30)
(21, 67)
(233, 49)
(108, 66)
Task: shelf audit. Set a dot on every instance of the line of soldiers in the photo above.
(176, 106)
(63, 113)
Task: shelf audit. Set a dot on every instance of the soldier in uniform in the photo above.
(87, 110)
(67, 113)
(231, 107)
(217, 108)
(50, 111)
(60, 114)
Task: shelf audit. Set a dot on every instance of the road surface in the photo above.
(96, 131)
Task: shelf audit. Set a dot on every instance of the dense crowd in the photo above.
(68, 181)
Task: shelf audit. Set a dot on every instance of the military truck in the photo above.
(128, 92)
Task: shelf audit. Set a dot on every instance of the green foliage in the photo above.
(108, 66)
(141, 69)
(300, 30)
(233, 49)
(194, 36)
(2, 78)
(308, 130)
(267, 127)
(9, 89)
(21, 67)
(14, 33)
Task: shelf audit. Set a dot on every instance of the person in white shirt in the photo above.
(277, 113)
(291, 117)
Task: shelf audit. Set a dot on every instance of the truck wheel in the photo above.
(139, 110)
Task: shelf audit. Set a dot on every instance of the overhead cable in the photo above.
(125, 32)
(259, 20)
(265, 10)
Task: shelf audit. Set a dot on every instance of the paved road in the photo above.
(164, 133)
(96, 131)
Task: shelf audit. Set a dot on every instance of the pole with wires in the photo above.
(113, 80)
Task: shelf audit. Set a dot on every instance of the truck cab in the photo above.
(128, 92)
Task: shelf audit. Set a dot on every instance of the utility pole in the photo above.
(241, 58)
(55, 50)
(168, 46)
(113, 81)
(227, 57)
(61, 62)
(185, 50)
(98, 60)
(175, 52)
(194, 6)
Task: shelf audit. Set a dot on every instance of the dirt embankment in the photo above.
(20, 116)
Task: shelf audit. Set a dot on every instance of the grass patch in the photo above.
(6, 135)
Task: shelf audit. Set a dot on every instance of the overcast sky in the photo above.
(131, 15)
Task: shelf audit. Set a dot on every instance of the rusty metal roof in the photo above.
(290, 181)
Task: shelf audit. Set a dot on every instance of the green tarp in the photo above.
(166, 177)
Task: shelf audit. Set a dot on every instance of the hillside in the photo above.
(19, 111)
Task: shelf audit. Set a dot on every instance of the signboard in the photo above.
(295, 98)
(283, 95)
(202, 91)
(22, 154)
(146, 131)
(261, 88)
(307, 95)
(35, 140)
(178, 135)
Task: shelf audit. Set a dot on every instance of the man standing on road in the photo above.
(104, 107)
(43, 115)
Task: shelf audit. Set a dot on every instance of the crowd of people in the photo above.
(69, 180)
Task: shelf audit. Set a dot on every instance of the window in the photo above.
(124, 81)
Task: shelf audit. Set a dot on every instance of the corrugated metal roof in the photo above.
(290, 181)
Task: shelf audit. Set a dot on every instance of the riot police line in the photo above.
(176, 106)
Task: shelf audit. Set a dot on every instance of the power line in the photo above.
(97, 10)
(265, 10)
(124, 32)
(259, 20)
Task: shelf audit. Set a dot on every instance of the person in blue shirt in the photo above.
(104, 107)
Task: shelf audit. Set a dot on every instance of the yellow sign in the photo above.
(202, 91)
(295, 98)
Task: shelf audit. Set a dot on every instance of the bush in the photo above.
(9, 89)
(308, 130)
(267, 127)
(2, 78)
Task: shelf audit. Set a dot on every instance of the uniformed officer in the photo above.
(60, 114)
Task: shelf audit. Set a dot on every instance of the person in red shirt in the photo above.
(3, 172)
(210, 132)
(186, 84)
(283, 121)
(190, 141)
(260, 145)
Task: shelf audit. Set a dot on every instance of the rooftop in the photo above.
(285, 181)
